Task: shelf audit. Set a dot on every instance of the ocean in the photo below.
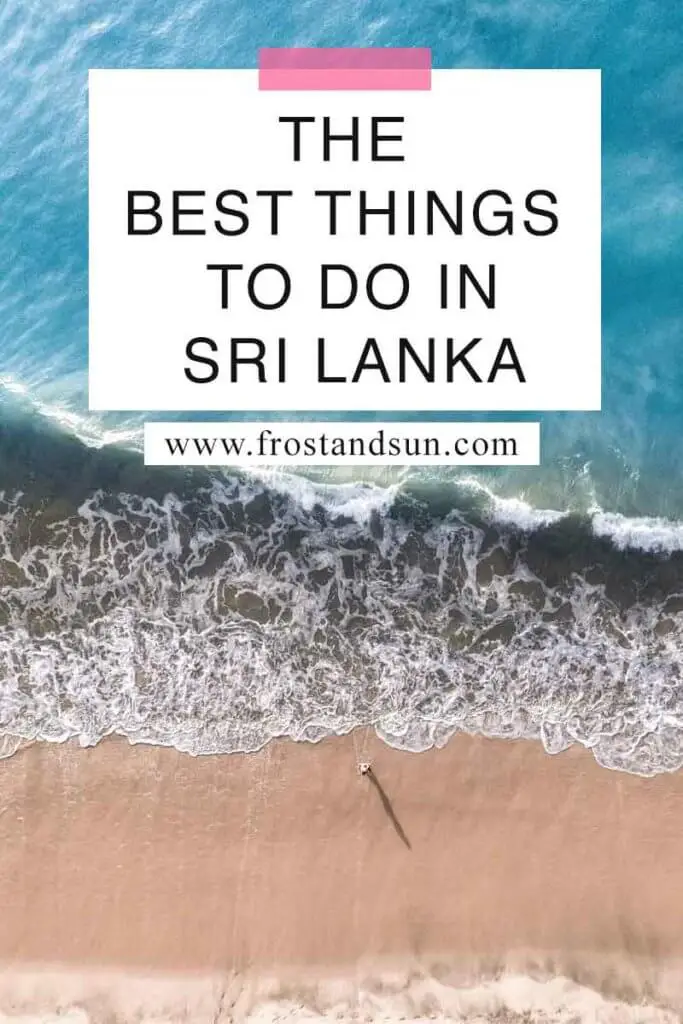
(214, 611)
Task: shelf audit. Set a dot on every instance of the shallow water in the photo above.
(219, 611)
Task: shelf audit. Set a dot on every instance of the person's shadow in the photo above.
(386, 804)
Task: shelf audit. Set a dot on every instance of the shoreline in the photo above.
(141, 861)
(405, 991)
(13, 743)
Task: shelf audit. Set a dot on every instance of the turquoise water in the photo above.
(628, 457)
(213, 613)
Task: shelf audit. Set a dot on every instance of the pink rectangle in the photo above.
(345, 78)
(331, 57)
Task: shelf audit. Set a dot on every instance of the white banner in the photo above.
(343, 443)
(252, 250)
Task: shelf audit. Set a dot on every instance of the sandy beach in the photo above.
(287, 863)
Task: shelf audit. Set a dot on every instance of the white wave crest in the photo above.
(386, 998)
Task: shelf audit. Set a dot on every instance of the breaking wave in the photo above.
(510, 998)
(232, 610)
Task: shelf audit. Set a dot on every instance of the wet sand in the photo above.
(143, 859)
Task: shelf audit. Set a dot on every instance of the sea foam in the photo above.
(510, 998)
(260, 607)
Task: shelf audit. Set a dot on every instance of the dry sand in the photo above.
(287, 861)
